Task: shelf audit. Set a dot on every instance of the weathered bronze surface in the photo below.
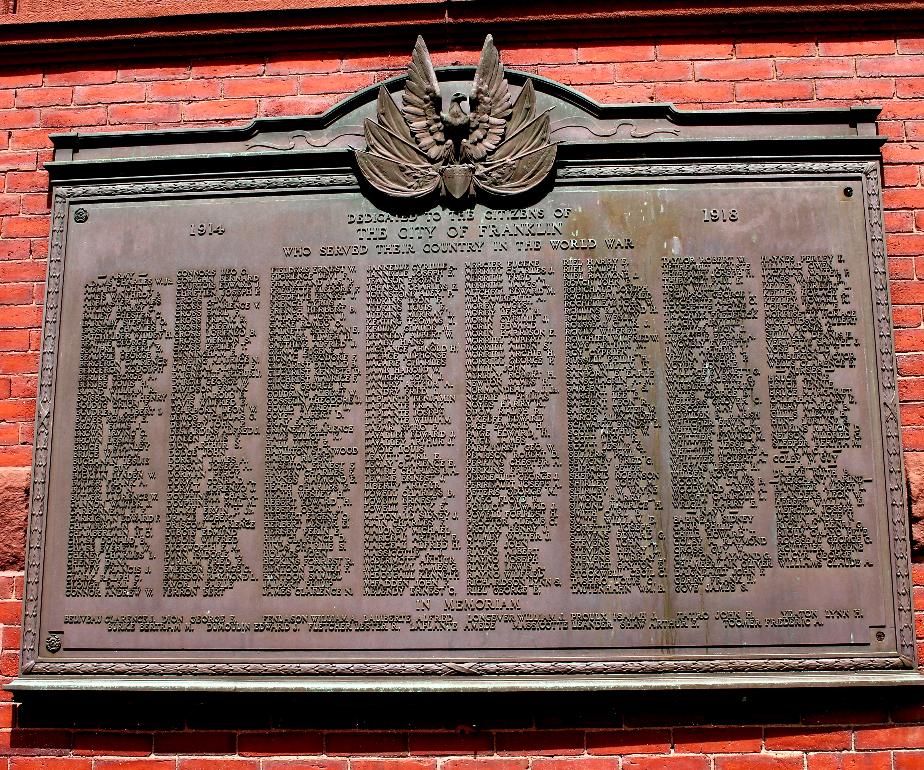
(641, 420)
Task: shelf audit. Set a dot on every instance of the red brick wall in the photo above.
(823, 730)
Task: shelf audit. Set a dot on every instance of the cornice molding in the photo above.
(44, 31)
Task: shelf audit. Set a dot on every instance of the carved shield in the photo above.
(457, 180)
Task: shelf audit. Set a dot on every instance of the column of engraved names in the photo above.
(716, 441)
(409, 543)
(113, 507)
(615, 510)
(513, 465)
(311, 450)
(212, 489)
(809, 322)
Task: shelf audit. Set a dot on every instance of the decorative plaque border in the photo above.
(568, 173)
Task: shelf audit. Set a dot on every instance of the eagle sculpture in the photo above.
(499, 146)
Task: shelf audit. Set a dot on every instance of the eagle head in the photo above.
(455, 117)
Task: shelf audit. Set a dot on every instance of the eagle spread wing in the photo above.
(489, 106)
(525, 157)
(393, 162)
(422, 102)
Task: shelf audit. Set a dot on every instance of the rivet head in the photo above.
(81, 215)
(53, 643)
(848, 192)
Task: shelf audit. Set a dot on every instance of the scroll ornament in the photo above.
(500, 146)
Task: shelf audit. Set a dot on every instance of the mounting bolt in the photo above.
(880, 636)
(81, 216)
(53, 642)
(848, 192)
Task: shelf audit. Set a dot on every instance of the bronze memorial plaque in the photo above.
(512, 384)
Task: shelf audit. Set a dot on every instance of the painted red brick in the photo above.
(296, 105)
(581, 73)
(19, 118)
(10, 204)
(366, 743)
(392, 764)
(628, 741)
(693, 91)
(72, 117)
(436, 744)
(890, 65)
(14, 339)
(20, 78)
(907, 340)
(93, 743)
(134, 764)
(910, 737)
(759, 50)
(545, 743)
(338, 83)
(653, 71)
(107, 94)
(10, 611)
(672, 762)
(637, 93)
(824, 67)
(380, 63)
(913, 439)
(902, 176)
(287, 742)
(34, 138)
(44, 97)
(216, 109)
(183, 90)
(49, 763)
(573, 763)
(912, 712)
(9, 434)
(210, 763)
(847, 715)
(717, 739)
(856, 47)
(304, 764)
(905, 244)
(195, 742)
(19, 316)
(516, 57)
(908, 88)
(802, 739)
(78, 75)
(737, 69)
(615, 53)
(488, 763)
(696, 50)
(227, 69)
(909, 760)
(759, 762)
(774, 90)
(290, 66)
(852, 90)
(144, 113)
(25, 227)
(237, 88)
(153, 73)
(879, 760)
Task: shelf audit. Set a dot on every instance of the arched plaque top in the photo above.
(579, 126)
